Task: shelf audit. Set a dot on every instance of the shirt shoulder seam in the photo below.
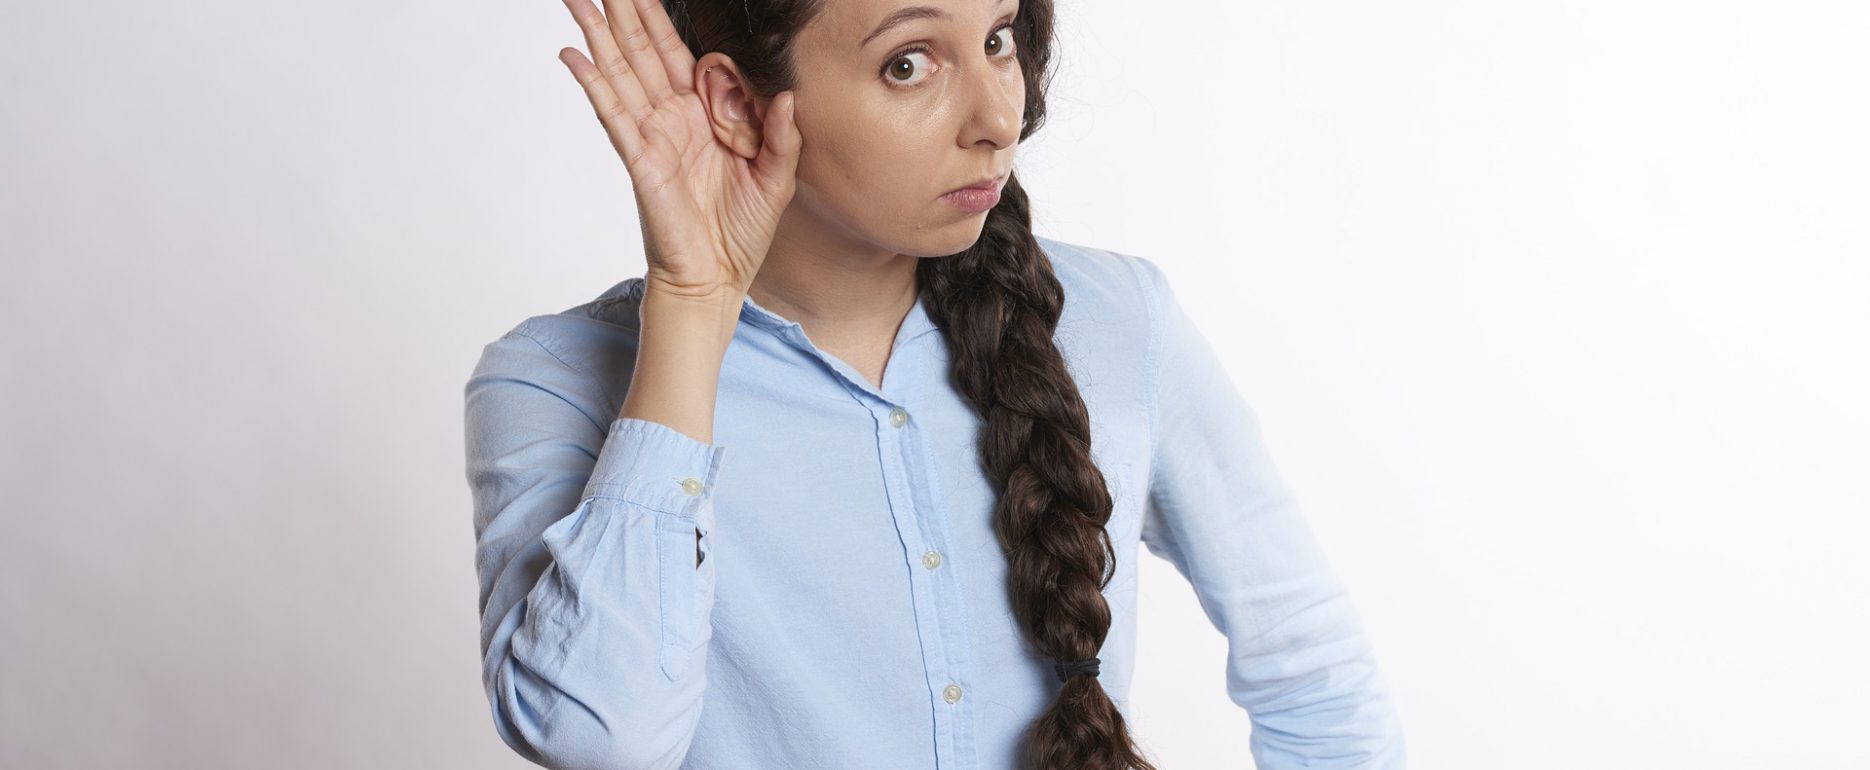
(525, 330)
(1152, 368)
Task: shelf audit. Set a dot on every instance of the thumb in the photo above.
(778, 160)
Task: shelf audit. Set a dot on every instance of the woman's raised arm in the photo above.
(594, 610)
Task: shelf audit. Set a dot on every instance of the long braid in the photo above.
(999, 304)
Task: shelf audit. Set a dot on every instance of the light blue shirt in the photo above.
(850, 606)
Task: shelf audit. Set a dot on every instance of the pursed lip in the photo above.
(988, 183)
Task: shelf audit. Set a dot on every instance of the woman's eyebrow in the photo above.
(906, 15)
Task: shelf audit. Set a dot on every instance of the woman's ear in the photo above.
(734, 112)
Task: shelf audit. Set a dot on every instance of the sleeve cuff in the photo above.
(653, 465)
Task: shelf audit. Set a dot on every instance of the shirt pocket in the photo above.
(682, 586)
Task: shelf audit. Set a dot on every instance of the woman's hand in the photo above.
(708, 214)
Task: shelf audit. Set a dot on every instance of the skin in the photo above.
(878, 151)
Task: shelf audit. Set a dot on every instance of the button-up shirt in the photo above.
(821, 586)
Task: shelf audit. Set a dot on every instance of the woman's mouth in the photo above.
(975, 199)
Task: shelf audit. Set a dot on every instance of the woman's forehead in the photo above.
(853, 24)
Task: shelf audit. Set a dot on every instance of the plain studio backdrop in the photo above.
(1555, 315)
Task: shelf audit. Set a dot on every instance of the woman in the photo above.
(947, 434)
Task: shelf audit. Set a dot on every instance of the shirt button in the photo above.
(897, 417)
(931, 560)
(691, 485)
(951, 693)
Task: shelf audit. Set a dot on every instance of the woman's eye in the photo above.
(901, 70)
(994, 49)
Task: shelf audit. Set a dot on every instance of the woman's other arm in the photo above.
(1298, 661)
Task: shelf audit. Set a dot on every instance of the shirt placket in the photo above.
(936, 592)
(921, 529)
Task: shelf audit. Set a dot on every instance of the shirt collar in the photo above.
(914, 325)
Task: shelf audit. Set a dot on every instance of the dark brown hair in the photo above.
(998, 303)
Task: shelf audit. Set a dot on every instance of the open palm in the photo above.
(708, 214)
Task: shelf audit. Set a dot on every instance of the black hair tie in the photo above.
(1065, 669)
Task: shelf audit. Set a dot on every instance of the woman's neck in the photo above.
(843, 302)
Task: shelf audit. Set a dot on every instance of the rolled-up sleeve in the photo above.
(1298, 660)
(592, 546)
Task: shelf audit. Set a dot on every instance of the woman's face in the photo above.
(893, 121)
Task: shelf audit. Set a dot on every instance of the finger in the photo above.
(611, 112)
(778, 160)
(627, 28)
(623, 83)
(677, 60)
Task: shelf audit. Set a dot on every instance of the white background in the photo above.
(1554, 312)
